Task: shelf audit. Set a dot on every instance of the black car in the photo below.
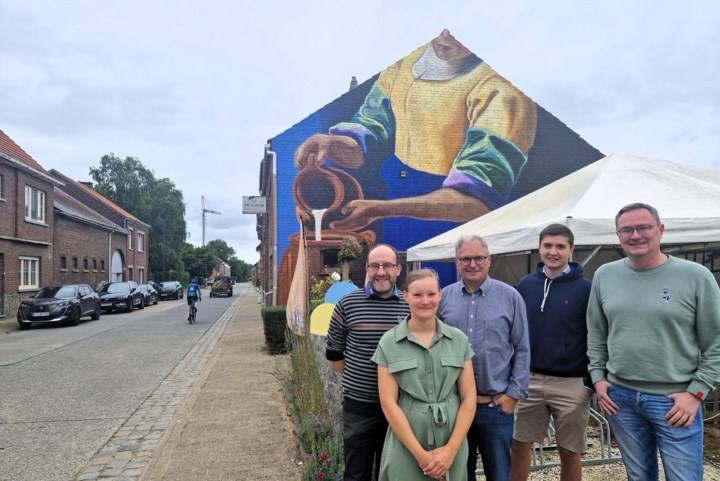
(59, 304)
(121, 296)
(149, 293)
(170, 289)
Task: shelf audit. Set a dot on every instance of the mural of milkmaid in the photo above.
(437, 139)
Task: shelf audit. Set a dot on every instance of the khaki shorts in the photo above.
(567, 399)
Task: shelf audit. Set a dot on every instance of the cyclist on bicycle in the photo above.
(193, 295)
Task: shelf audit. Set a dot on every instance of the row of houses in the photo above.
(54, 229)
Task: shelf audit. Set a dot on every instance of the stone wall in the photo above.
(332, 381)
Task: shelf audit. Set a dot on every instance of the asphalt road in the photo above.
(64, 391)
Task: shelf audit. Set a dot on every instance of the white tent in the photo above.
(687, 198)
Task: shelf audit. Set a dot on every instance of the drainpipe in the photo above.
(274, 220)
(109, 266)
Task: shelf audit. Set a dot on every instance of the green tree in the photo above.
(157, 202)
(241, 270)
(221, 249)
(199, 261)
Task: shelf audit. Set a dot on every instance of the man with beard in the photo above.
(492, 315)
(358, 322)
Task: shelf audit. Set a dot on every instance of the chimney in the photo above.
(353, 83)
(86, 183)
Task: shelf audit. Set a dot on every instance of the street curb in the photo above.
(129, 451)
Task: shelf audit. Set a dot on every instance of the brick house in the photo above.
(85, 242)
(56, 230)
(27, 193)
(128, 262)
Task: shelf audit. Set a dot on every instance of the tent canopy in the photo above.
(687, 198)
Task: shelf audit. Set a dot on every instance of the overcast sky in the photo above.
(194, 89)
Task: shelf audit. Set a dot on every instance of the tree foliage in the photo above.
(221, 249)
(350, 249)
(157, 202)
(241, 270)
(199, 261)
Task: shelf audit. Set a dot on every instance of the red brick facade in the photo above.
(67, 233)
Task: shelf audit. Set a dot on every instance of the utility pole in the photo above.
(206, 211)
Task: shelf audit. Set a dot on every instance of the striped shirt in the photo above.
(358, 322)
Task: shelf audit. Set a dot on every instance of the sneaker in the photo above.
(188, 317)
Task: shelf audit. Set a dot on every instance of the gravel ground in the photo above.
(615, 471)
(609, 472)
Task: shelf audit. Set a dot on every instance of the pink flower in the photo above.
(319, 476)
(324, 456)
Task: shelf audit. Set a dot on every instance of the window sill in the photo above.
(37, 222)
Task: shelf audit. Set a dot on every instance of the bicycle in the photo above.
(193, 312)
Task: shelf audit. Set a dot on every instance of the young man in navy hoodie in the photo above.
(556, 297)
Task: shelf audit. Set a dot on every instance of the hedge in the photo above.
(275, 327)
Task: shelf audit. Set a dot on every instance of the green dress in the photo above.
(428, 395)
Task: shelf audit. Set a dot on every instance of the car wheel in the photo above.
(74, 319)
(24, 326)
(96, 313)
(130, 306)
(156, 301)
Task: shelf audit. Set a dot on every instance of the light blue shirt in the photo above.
(495, 321)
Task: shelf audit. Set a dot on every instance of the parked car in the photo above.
(169, 289)
(228, 281)
(59, 304)
(121, 296)
(150, 295)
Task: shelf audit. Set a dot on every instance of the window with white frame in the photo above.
(141, 275)
(34, 204)
(29, 272)
(130, 243)
(141, 242)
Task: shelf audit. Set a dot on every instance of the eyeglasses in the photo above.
(375, 267)
(642, 229)
(467, 260)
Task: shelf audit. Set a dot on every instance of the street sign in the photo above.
(254, 204)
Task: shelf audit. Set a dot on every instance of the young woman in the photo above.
(427, 390)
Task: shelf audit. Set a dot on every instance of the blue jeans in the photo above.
(490, 433)
(641, 431)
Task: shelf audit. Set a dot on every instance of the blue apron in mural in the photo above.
(403, 232)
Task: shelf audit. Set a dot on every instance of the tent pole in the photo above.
(591, 255)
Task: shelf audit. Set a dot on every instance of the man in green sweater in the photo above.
(654, 349)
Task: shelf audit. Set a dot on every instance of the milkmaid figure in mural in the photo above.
(462, 135)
